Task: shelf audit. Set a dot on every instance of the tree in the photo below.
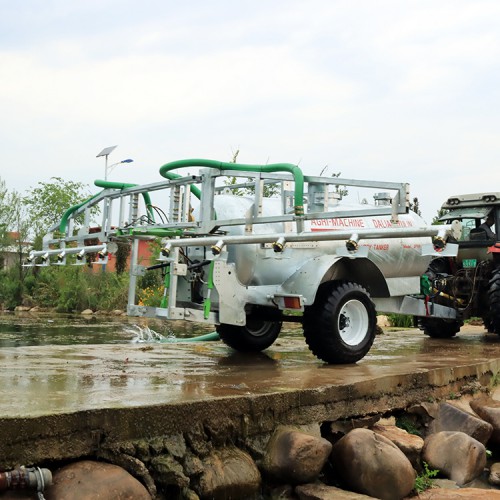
(5, 214)
(48, 202)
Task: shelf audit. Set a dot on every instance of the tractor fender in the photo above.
(326, 268)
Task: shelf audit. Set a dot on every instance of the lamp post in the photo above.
(111, 167)
(106, 152)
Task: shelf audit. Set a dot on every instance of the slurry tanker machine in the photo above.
(246, 263)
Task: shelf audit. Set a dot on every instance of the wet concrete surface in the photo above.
(60, 402)
(48, 380)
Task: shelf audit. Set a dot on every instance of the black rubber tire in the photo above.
(255, 336)
(494, 302)
(439, 328)
(340, 327)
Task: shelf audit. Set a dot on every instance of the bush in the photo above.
(401, 320)
(75, 288)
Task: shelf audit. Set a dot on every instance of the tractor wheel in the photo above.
(439, 328)
(255, 336)
(494, 300)
(488, 324)
(340, 327)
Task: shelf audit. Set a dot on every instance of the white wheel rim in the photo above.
(353, 322)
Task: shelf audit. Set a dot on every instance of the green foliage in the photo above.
(401, 320)
(122, 255)
(495, 380)
(75, 288)
(407, 425)
(415, 206)
(440, 213)
(11, 289)
(48, 202)
(424, 480)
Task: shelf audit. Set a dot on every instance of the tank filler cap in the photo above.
(382, 198)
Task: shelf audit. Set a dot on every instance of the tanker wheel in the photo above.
(255, 336)
(340, 327)
(494, 300)
(439, 328)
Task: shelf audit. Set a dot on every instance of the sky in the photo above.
(389, 90)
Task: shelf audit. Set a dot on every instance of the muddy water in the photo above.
(25, 329)
(55, 375)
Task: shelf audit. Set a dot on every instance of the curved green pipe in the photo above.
(207, 337)
(275, 167)
(105, 185)
(124, 185)
(74, 208)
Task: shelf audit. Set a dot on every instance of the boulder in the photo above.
(451, 418)
(88, 480)
(345, 426)
(409, 444)
(371, 464)
(465, 493)
(228, 473)
(323, 492)
(489, 410)
(455, 454)
(494, 477)
(295, 457)
(383, 321)
(87, 312)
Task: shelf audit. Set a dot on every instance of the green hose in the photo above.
(207, 337)
(124, 185)
(104, 184)
(276, 167)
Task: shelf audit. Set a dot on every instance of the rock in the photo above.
(228, 473)
(372, 464)
(166, 471)
(451, 418)
(447, 484)
(175, 444)
(465, 493)
(383, 321)
(282, 492)
(494, 477)
(87, 312)
(295, 457)
(409, 444)
(345, 426)
(489, 410)
(324, 492)
(88, 480)
(22, 308)
(455, 454)
(117, 312)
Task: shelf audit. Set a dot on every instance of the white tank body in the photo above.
(258, 264)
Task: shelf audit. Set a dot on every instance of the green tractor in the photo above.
(469, 282)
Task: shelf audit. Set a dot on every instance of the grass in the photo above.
(424, 480)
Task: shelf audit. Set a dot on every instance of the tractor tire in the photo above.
(255, 336)
(494, 302)
(340, 326)
(439, 328)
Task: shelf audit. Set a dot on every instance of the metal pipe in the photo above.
(23, 477)
(309, 236)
